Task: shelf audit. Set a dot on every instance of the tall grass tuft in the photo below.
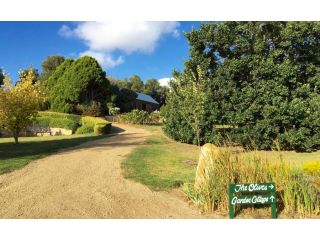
(218, 166)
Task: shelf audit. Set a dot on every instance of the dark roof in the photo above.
(146, 98)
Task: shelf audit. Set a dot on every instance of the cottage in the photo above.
(146, 103)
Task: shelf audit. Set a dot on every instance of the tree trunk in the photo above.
(16, 138)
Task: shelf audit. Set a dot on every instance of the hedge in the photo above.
(76, 123)
(84, 129)
(57, 122)
(100, 126)
(73, 117)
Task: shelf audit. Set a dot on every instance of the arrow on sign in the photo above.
(272, 198)
(271, 186)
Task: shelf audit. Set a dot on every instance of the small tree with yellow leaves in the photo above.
(19, 104)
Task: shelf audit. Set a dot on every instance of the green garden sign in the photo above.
(259, 193)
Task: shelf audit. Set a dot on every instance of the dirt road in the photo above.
(86, 182)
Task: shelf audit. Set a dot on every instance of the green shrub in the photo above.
(134, 117)
(154, 118)
(55, 122)
(73, 117)
(175, 126)
(102, 128)
(114, 111)
(99, 125)
(93, 109)
(85, 129)
(92, 120)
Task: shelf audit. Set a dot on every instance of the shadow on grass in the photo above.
(14, 156)
(23, 149)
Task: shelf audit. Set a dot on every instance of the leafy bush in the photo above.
(263, 85)
(217, 167)
(99, 125)
(73, 117)
(175, 126)
(312, 167)
(85, 129)
(154, 118)
(93, 109)
(57, 122)
(102, 128)
(135, 117)
(114, 111)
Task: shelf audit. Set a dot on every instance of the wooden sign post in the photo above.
(261, 193)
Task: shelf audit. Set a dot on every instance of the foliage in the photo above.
(114, 111)
(136, 83)
(54, 122)
(73, 117)
(19, 105)
(192, 98)
(50, 65)
(135, 117)
(94, 109)
(264, 81)
(218, 167)
(57, 74)
(154, 118)
(102, 128)
(312, 167)
(159, 93)
(175, 126)
(99, 125)
(126, 99)
(77, 82)
(84, 129)
(28, 73)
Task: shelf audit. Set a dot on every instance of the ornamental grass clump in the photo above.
(297, 195)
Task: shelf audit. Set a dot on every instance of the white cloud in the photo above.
(103, 38)
(164, 81)
(105, 59)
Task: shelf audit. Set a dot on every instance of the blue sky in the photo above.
(150, 50)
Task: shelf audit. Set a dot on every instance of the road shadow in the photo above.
(116, 129)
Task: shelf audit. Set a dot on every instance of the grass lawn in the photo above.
(14, 156)
(163, 164)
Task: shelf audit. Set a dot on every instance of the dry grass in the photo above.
(297, 194)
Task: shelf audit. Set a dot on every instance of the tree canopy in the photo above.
(264, 81)
(19, 104)
(74, 82)
(50, 65)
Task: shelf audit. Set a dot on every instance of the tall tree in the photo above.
(136, 83)
(151, 87)
(265, 79)
(192, 99)
(81, 82)
(50, 65)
